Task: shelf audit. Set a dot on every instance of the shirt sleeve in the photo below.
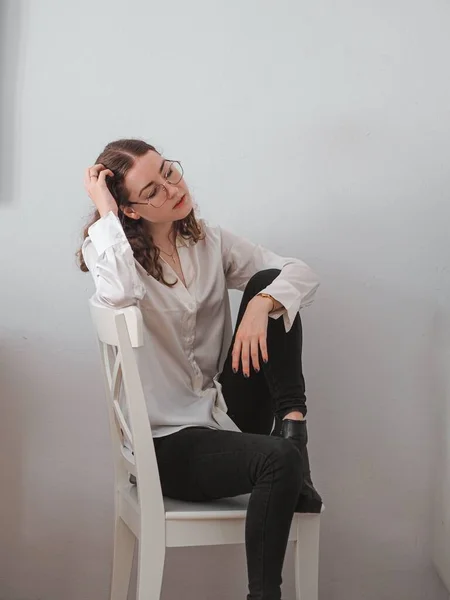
(109, 258)
(294, 287)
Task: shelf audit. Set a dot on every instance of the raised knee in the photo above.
(262, 279)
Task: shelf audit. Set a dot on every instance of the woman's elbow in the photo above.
(115, 296)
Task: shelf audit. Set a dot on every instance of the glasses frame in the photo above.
(163, 186)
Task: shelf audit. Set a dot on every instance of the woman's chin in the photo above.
(184, 211)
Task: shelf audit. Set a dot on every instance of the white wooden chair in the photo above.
(141, 512)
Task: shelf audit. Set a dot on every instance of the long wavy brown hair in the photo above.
(119, 156)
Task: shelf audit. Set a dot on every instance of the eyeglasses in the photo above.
(156, 194)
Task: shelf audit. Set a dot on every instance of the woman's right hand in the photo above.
(95, 185)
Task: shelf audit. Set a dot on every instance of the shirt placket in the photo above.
(189, 320)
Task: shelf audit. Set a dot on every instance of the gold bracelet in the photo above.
(263, 295)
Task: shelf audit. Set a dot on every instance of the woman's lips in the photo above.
(180, 202)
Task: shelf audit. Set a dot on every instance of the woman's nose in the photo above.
(171, 189)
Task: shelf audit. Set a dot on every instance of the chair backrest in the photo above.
(120, 332)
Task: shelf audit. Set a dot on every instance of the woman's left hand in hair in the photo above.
(251, 336)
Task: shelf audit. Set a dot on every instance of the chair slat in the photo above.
(125, 430)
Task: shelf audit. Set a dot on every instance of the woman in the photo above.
(227, 411)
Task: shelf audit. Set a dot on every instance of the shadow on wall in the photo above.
(11, 43)
(11, 468)
(441, 473)
(56, 504)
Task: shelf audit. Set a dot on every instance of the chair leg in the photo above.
(124, 541)
(307, 557)
(152, 552)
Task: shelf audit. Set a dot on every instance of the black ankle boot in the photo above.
(309, 500)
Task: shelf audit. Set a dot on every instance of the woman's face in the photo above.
(157, 190)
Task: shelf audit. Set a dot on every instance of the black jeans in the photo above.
(198, 463)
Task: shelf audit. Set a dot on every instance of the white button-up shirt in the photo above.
(187, 329)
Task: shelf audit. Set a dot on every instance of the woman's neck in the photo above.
(163, 234)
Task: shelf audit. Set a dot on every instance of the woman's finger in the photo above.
(254, 349)
(91, 173)
(97, 168)
(94, 172)
(263, 347)
(245, 358)
(103, 175)
(236, 354)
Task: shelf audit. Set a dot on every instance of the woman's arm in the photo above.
(109, 258)
(293, 289)
(106, 251)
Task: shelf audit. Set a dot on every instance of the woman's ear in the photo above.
(130, 212)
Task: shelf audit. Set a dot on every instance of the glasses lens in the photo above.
(159, 198)
(174, 173)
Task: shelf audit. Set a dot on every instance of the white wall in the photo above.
(319, 129)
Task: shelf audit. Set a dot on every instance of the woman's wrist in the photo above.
(105, 209)
(268, 301)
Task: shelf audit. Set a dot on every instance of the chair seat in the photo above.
(225, 508)
(206, 523)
